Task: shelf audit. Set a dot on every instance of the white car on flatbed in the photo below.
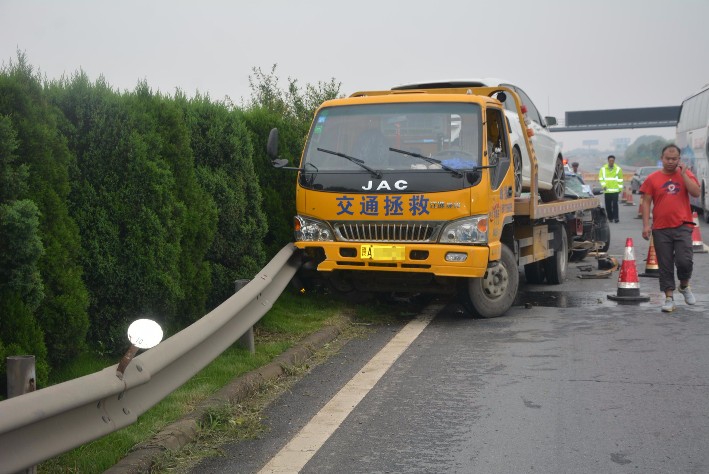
(546, 148)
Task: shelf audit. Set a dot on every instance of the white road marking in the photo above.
(295, 455)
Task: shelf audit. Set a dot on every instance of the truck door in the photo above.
(497, 146)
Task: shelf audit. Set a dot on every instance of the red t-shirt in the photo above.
(670, 199)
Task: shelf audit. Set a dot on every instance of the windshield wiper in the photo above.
(354, 160)
(438, 162)
(429, 159)
(316, 170)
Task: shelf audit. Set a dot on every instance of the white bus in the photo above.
(693, 141)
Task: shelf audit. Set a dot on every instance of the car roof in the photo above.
(454, 84)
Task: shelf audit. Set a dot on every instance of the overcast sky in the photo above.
(566, 54)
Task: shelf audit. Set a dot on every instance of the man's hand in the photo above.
(647, 231)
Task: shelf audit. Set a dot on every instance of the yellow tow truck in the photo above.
(416, 191)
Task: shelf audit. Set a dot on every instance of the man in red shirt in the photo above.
(668, 190)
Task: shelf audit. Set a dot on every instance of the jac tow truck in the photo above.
(415, 191)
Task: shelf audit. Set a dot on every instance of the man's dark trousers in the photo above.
(612, 206)
(673, 248)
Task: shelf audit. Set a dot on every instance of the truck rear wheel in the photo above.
(493, 294)
(534, 273)
(555, 266)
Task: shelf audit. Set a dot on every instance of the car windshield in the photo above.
(450, 133)
(574, 186)
(645, 172)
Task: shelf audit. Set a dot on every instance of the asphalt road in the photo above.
(575, 383)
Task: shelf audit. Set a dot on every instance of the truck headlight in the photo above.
(471, 230)
(312, 230)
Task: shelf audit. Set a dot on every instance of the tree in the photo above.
(21, 286)
(645, 151)
(13, 175)
(145, 221)
(199, 211)
(223, 155)
(291, 111)
(43, 155)
(21, 335)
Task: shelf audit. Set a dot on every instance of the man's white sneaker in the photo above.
(669, 305)
(688, 295)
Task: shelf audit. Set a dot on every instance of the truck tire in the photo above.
(493, 294)
(534, 273)
(555, 266)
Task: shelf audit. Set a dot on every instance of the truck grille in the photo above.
(387, 231)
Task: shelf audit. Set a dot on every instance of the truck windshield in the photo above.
(445, 131)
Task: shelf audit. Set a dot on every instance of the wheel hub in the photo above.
(495, 281)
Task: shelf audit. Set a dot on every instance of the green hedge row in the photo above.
(121, 205)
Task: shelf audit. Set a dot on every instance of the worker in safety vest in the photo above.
(611, 179)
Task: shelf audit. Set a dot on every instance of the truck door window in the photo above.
(497, 146)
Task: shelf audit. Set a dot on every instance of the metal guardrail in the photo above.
(42, 424)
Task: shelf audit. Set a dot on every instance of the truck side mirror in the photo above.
(551, 121)
(474, 176)
(272, 145)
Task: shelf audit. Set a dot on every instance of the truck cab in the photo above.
(414, 191)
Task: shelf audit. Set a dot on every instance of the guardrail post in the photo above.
(21, 379)
(20, 375)
(247, 340)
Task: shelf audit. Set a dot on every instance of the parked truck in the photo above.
(415, 191)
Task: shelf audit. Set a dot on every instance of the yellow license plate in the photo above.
(383, 252)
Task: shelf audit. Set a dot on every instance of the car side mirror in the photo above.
(597, 190)
(551, 121)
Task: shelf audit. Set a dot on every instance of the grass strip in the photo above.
(292, 317)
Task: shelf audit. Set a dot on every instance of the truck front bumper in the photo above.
(440, 260)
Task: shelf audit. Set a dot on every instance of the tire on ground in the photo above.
(555, 266)
(493, 294)
(534, 273)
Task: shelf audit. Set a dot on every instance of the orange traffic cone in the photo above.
(628, 284)
(629, 197)
(697, 243)
(640, 210)
(652, 269)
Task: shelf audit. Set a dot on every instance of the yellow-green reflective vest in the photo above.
(611, 179)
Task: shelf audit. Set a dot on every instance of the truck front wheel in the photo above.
(493, 294)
